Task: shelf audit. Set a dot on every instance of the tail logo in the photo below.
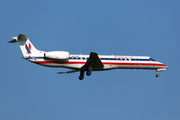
(28, 48)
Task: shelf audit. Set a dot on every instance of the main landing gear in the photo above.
(88, 73)
(81, 77)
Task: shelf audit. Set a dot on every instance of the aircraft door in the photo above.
(137, 62)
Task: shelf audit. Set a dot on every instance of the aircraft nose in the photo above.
(167, 67)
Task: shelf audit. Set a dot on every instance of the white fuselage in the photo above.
(109, 62)
(92, 62)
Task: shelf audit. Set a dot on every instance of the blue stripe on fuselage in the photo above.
(85, 58)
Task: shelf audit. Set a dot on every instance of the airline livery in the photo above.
(84, 63)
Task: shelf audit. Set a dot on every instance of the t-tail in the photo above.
(26, 46)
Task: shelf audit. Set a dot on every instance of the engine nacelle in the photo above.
(60, 55)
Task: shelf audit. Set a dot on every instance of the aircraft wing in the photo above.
(93, 61)
(67, 72)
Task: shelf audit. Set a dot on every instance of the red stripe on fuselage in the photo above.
(105, 63)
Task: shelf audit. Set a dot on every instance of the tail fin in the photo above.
(26, 46)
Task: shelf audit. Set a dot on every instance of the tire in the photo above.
(157, 75)
(88, 73)
(81, 77)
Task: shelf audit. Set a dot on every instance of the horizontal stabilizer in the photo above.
(67, 72)
(22, 37)
(26, 46)
(14, 40)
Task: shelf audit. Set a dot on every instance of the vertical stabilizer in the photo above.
(26, 46)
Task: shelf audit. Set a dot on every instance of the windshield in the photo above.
(151, 59)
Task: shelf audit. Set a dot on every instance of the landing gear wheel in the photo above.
(157, 75)
(88, 73)
(81, 77)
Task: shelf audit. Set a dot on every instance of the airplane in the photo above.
(84, 63)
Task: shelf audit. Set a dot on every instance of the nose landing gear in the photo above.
(157, 75)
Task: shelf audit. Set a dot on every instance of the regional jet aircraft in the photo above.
(84, 63)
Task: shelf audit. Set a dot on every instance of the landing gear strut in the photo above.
(81, 77)
(89, 69)
(88, 73)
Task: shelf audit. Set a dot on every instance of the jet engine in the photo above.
(58, 55)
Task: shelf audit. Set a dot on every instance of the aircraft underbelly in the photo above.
(71, 66)
(108, 67)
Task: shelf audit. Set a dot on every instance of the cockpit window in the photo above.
(151, 59)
